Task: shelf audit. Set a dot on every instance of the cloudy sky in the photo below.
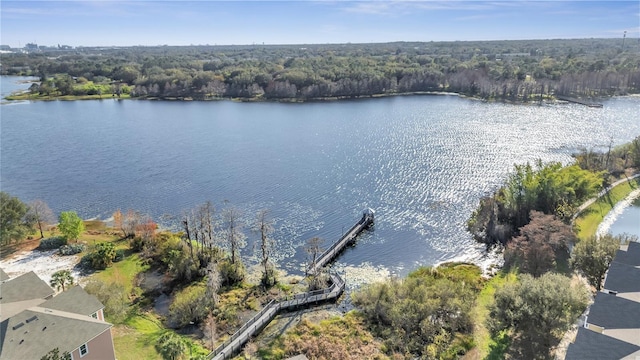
(144, 22)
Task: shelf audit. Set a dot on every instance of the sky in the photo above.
(146, 22)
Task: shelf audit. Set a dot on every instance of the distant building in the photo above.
(33, 322)
(31, 47)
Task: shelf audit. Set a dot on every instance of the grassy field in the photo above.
(587, 223)
(136, 338)
(488, 347)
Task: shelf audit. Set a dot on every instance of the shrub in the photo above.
(100, 258)
(71, 249)
(231, 274)
(86, 261)
(189, 305)
(103, 256)
(431, 306)
(113, 296)
(52, 243)
(538, 311)
(120, 253)
(171, 346)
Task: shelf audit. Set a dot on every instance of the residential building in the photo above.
(612, 325)
(33, 321)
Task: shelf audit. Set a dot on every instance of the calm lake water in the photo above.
(628, 222)
(422, 162)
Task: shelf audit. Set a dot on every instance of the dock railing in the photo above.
(230, 346)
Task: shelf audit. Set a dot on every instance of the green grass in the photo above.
(486, 344)
(123, 272)
(587, 223)
(136, 338)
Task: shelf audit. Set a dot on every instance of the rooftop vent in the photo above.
(34, 317)
(18, 326)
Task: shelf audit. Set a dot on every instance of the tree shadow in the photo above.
(498, 350)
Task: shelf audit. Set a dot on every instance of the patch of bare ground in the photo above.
(43, 263)
(9, 251)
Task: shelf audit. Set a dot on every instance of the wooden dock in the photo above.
(336, 248)
(252, 327)
(580, 101)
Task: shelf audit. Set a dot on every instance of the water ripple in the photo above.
(421, 162)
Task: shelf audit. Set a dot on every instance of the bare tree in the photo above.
(127, 223)
(147, 228)
(205, 224)
(187, 223)
(317, 277)
(210, 329)
(264, 226)
(313, 248)
(40, 214)
(234, 236)
(214, 281)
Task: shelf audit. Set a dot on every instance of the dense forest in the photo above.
(523, 70)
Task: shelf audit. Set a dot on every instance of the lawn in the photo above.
(123, 272)
(489, 346)
(587, 223)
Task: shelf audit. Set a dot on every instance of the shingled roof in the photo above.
(32, 323)
(3, 275)
(74, 300)
(592, 345)
(613, 312)
(34, 332)
(622, 278)
(24, 287)
(631, 256)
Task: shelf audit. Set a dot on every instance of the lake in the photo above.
(422, 162)
(625, 221)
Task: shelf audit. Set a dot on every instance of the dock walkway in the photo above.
(580, 101)
(346, 239)
(232, 345)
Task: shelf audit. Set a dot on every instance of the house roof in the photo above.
(592, 345)
(74, 300)
(613, 312)
(33, 333)
(631, 256)
(3, 275)
(622, 278)
(24, 287)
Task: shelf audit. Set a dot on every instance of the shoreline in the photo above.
(611, 217)
(24, 96)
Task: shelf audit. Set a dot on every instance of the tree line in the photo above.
(506, 70)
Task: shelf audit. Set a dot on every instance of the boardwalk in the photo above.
(580, 101)
(346, 239)
(232, 345)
